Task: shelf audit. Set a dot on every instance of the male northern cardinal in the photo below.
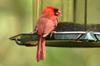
(46, 24)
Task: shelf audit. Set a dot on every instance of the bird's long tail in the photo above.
(41, 49)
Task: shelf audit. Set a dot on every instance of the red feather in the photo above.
(48, 11)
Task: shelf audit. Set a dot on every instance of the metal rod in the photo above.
(74, 11)
(62, 7)
(85, 15)
(37, 13)
(42, 4)
(33, 14)
(38, 7)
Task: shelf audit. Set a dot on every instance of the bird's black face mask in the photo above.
(56, 13)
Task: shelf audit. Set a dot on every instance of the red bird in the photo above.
(46, 24)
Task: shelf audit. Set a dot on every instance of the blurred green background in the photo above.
(19, 16)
